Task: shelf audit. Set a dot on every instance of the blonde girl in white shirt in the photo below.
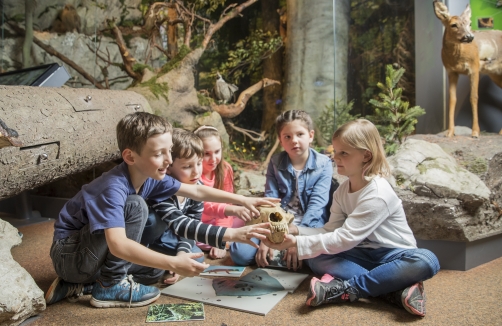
(366, 249)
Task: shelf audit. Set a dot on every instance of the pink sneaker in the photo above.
(329, 290)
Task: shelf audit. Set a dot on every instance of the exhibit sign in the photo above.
(486, 14)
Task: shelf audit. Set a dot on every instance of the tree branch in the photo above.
(127, 58)
(233, 110)
(214, 27)
(261, 136)
(269, 155)
(49, 49)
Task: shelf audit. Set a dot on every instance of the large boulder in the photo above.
(450, 187)
(20, 297)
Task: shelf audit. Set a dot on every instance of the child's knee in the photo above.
(430, 259)
(242, 254)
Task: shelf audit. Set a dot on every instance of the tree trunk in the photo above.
(29, 8)
(310, 54)
(342, 19)
(58, 132)
(272, 69)
(172, 32)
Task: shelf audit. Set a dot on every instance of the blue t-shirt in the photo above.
(101, 202)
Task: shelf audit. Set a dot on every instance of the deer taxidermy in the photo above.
(468, 53)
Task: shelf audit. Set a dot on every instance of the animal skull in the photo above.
(278, 219)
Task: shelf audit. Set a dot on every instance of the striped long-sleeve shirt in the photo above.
(185, 222)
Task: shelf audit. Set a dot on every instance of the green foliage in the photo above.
(206, 6)
(249, 54)
(204, 100)
(156, 88)
(139, 67)
(379, 32)
(333, 116)
(127, 23)
(244, 150)
(19, 18)
(175, 62)
(393, 117)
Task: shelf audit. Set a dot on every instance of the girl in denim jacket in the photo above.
(300, 177)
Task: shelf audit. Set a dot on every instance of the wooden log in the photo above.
(58, 132)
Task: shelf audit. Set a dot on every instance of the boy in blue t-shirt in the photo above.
(96, 247)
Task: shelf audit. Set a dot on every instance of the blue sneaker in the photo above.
(61, 289)
(126, 293)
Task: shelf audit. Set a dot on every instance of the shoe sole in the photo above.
(121, 304)
(312, 292)
(411, 309)
(50, 292)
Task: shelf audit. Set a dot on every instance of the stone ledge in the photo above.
(462, 256)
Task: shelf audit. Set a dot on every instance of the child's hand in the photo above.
(252, 202)
(292, 260)
(245, 233)
(184, 264)
(289, 241)
(240, 211)
(262, 254)
(293, 229)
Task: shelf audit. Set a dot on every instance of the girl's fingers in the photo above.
(251, 243)
(258, 236)
(260, 230)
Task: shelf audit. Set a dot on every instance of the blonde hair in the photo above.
(209, 131)
(290, 116)
(362, 134)
(134, 129)
(186, 144)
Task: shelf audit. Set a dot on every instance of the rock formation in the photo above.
(450, 189)
(20, 297)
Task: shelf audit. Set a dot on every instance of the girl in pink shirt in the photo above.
(217, 173)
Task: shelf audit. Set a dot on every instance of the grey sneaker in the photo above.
(412, 299)
(126, 293)
(61, 289)
(330, 290)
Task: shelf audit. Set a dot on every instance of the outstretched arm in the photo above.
(200, 193)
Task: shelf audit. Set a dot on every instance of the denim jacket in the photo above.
(313, 185)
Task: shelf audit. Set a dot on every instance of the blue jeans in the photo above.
(158, 237)
(374, 272)
(243, 254)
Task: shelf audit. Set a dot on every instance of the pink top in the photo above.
(214, 213)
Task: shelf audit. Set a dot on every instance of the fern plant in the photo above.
(333, 116)
(393, 117)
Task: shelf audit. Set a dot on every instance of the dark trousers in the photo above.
(84, 257)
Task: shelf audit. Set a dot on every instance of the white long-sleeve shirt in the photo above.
(372, 217)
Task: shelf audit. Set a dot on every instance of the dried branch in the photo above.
(269, 155)
(214, 27)
(233, 110)
(224, 13)
(127, 58)
(261, 136)
(50, 50)
(108, 61)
